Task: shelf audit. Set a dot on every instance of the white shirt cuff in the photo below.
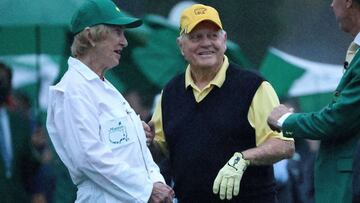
(283, 118)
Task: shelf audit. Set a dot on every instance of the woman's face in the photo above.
(108, 50)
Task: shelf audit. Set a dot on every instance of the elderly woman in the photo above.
(96, 133)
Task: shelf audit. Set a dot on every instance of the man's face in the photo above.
(204, 46)
(342, 17)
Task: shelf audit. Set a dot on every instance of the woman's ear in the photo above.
(89, 37)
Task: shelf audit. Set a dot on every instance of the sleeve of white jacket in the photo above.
(155, 174)
(94, 158)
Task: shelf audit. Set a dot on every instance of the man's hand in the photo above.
(161, 193)
(276, 114)
(229, 177)
(149, 132)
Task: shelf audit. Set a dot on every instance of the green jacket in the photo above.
(338, 127)
(13, 190)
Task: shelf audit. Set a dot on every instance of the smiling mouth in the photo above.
(117, 51)
(206, 53)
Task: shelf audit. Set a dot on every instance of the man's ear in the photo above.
(179, 43)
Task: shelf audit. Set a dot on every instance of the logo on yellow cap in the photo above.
(199, 11)
(195, 14)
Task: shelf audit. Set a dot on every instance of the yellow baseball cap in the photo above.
(195, 14)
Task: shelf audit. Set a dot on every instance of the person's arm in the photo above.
(277, 117)
(156, 136)
(339, 117)
(269, 152)
(80, 126)
(271, 145)
(160, 190)
(227, 182)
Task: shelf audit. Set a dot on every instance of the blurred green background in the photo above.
(296, 45)
(35, 41)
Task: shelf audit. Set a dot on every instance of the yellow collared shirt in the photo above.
(265, 99)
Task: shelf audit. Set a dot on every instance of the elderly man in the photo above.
(211, 120)
(336, 125)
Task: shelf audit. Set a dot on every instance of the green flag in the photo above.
(312, 83)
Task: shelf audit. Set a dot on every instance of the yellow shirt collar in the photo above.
(218, 80)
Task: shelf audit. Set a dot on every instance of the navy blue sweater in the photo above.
(203, 136)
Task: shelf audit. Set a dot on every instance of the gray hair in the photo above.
(81, 42)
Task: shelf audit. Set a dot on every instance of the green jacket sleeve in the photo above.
(340, 117)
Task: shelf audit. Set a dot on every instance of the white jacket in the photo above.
(100, 139)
